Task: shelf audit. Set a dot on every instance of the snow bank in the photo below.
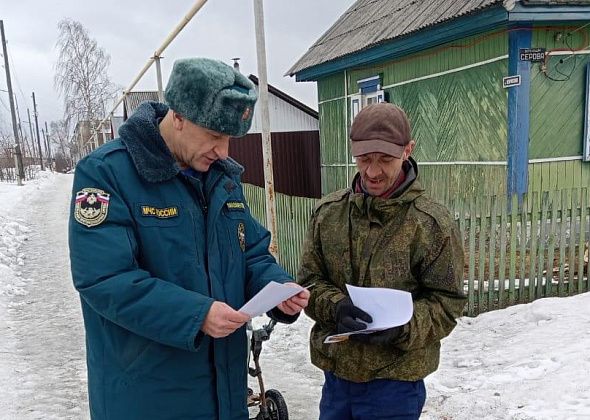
(524, 362)
(13, 230)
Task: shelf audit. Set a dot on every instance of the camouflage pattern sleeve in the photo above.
(324, 295)
(439, 268)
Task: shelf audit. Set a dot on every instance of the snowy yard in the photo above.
(525, 362)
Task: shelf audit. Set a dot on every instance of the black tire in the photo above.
(277, 407)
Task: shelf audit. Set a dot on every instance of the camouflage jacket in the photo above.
(408, 243)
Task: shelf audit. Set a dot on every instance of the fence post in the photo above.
(514, 207)
(551, 246)
(533, 248)
(582, 243)
(492, 266)
(543, 222)
(523, 249)
(471, 282)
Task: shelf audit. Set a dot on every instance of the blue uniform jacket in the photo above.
(151, 249)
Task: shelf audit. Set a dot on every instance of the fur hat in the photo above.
(212, 95)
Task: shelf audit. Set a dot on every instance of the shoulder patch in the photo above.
(91, 206)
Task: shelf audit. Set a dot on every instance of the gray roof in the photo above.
(133, 99)
(368, 23)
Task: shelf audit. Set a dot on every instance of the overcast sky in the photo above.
(131, 30)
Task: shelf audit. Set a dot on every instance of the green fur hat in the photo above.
(212, 94)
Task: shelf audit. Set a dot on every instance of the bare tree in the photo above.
(60, 137)
(81, 74)
(6, 160)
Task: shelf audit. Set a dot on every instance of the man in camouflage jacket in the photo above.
(383, 232)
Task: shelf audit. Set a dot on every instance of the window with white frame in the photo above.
(370, 92)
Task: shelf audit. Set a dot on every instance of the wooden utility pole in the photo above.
(271, 211)
(18, 158)
(37, 128)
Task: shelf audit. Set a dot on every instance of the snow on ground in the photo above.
(42, 368)
(525, 362)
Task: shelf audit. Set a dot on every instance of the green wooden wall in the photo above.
(446, 57)
(557, 112)
(458, 116)
(557, 107)
(447, 182)
(333, 145)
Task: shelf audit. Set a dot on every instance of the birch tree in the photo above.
(81, 75)
(61, 138)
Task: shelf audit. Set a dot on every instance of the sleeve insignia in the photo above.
(92, 206)
(235, 206)
(160, 213)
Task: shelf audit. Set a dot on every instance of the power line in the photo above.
(14, 72)
(3, 104)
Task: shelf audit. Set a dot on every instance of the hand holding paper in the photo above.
(388, 308)
(270, 296)
(222, 320)
(295, 304)
(347, 316)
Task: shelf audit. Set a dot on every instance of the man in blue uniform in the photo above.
(164, 251)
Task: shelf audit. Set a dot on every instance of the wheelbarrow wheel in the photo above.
(277, 407)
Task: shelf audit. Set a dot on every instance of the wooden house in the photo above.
(496, 90)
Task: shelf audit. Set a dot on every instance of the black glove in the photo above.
(380, 337)
(345, 316)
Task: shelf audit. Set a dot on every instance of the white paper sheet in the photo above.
(388, 307)
(270, 296)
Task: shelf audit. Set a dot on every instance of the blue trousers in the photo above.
(377, 399)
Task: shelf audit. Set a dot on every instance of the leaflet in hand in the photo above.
(270, 296)
(388, 307)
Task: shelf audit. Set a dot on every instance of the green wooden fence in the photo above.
(292, 216)
(515, 252)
